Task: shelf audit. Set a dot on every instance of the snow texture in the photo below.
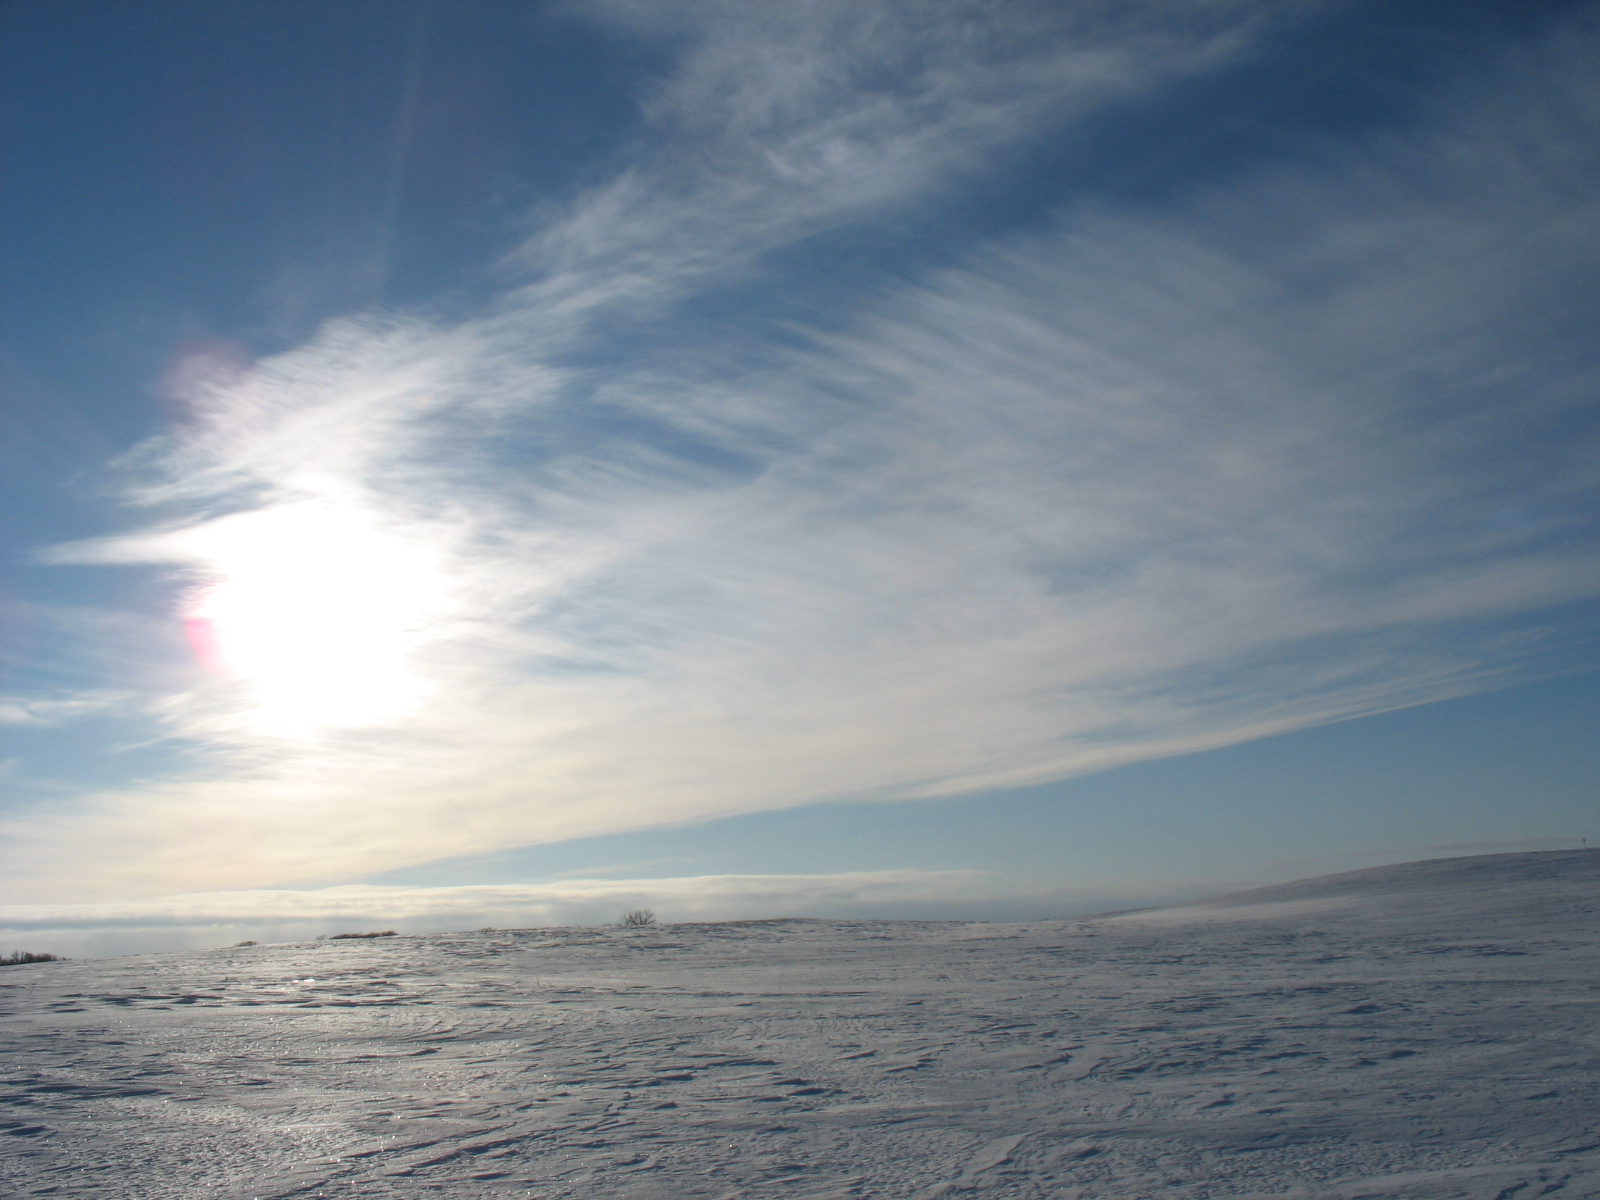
(1420, 1031)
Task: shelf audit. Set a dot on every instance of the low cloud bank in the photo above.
(207, 919)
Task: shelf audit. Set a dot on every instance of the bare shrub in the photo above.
(343, 936)
(19, 957)
(637, 918)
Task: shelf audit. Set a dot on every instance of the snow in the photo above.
(1427, 1030)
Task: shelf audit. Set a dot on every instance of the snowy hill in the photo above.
(1545, 885)
(1420, 1031)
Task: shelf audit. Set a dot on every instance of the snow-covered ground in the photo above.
(1419, 1031)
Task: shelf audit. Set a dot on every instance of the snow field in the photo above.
(1419, 1031)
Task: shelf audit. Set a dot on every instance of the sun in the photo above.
(315, 609)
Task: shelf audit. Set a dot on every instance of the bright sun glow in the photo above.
(315, 609)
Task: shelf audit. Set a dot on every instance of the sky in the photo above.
(512, 462)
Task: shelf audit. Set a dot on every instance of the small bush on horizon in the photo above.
(236, 945)
(344, 936)
(637, 918)
(17, 958)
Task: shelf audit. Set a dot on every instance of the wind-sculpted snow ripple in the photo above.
(1427, 1049)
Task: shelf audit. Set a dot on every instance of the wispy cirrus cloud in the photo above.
(778, 122)
(1304, 444)
(24, 711)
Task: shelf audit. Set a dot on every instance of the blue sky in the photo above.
(515, 460)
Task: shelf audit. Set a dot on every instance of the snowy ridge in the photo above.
(1446, 1050)
(1545, 884)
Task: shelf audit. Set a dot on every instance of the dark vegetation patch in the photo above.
(22, 956)
(341, 936)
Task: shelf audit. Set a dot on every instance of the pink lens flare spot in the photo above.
(204, 641)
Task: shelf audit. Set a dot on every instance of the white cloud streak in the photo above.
(1132, 485)
(22, 711)
(783, 120)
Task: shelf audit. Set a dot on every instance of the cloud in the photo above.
(22, 711)
(220, 918)
(779, 121)
(551, 903)
(1299, 445)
